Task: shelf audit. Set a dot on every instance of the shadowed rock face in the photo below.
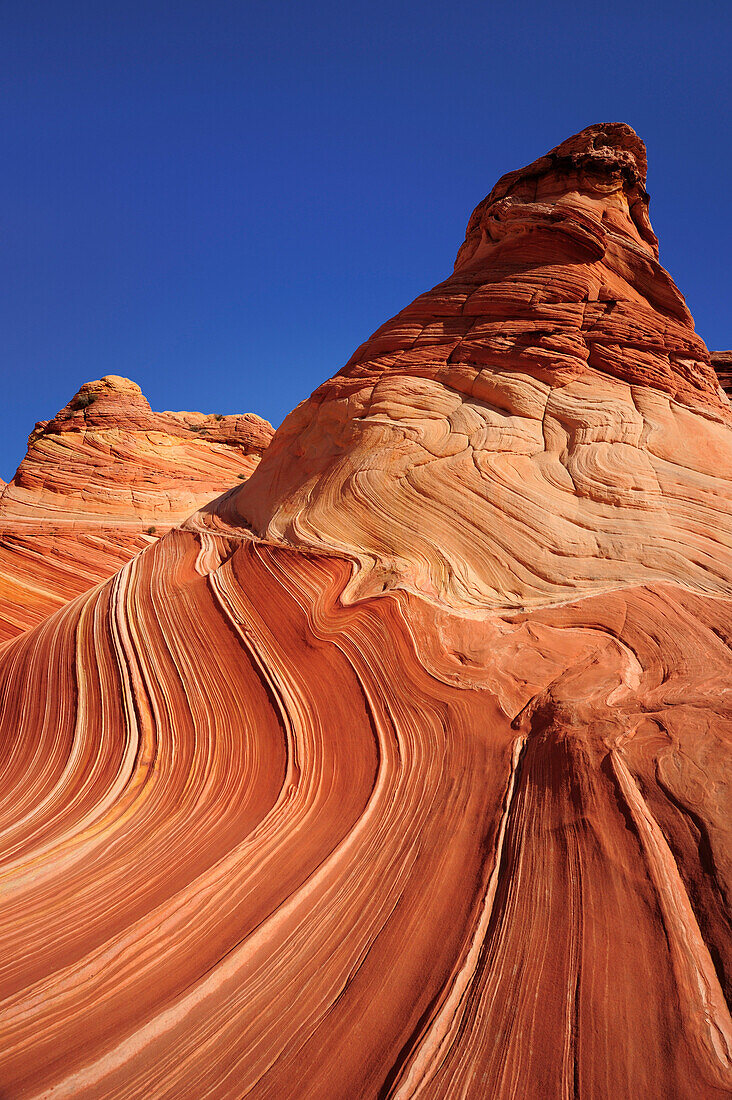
(101, 480)
(401, 770)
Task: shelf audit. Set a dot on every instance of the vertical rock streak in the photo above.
(708, 1017)
(445, 1027)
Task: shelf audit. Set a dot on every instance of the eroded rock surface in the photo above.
(402, 770)
(99, 482)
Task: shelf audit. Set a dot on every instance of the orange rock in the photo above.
(402, 769)
(100, 480)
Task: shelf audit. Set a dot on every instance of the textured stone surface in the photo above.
(99, 482)
(403, 769)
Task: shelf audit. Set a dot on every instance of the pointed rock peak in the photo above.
(528, 429)
(590, 185)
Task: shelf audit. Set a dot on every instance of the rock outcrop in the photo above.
(101, 480)
(401, 770)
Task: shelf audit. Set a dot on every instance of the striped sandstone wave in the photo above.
(401, 770)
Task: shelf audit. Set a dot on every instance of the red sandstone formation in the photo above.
(402, 769)
(99, 482)
(722, 363)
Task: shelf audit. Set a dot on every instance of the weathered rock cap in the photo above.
(605, 163)
(606, 153)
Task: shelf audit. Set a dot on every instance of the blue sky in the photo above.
(221, 200)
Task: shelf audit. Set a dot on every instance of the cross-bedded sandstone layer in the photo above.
(99, 482)
(402, 769)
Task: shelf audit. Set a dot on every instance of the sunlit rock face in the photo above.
(402, 770)
(99, 482)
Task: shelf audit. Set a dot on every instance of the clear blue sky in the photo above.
(221, 200)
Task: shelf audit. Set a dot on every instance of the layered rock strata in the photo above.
(100, 481)
(402, 769)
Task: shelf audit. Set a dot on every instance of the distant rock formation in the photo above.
(101, 480)
(402, 770)
(722, 363)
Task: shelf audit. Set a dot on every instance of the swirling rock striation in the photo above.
(401, 770)
(100, 480)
